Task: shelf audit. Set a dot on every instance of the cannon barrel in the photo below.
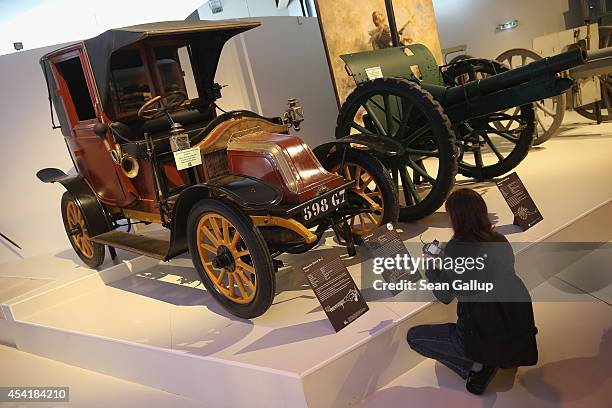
(548, 66)
(600, 63)
(599, 54)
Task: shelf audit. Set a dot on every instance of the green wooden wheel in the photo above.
(402, 110)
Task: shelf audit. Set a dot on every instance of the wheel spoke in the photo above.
(367, 181)
(416, 135)
(425, 153)
(360, 128)
(388, 113)
(508, 136)
(210, 235)
(231, 284)
(245, 279)
(539, 120)
(415, 167)
(372, 218)
(405, 117)
(209, 248)
(544, 109)
(245, 266)
(243, 293)
(361, 221)
(216, 230)
(493, 147)
(410, 194)
(242, 253)
(235, 239)
(347, 173)
(225, 226)
(373, 206)
(374, 119)
(220, 276)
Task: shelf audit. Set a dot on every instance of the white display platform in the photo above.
(153, 324)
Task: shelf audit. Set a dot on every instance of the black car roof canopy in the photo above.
(206, 39)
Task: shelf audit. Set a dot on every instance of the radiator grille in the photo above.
(215, 164)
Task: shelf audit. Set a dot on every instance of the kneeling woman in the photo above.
(494, 328)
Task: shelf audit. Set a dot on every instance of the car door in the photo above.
(91, 158)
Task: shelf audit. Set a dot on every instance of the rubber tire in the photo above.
(98, 249)
(522, 147)
(447, 169)
(380, 176)
(260, 256)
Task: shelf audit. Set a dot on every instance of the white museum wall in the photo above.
(473, 22)
(262, 68)
(30, 209)
(47, 22)
(286, 59)
(249, 8)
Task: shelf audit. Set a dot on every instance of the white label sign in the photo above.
(187, 158)
(373, 73)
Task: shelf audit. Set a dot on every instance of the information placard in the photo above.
(188, 158)
(336, 290)
(384, 242)
(526, 213)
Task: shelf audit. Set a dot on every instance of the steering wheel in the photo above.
(159, 106)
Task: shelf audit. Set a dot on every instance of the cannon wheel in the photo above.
(402, 110)
(604, 107)
(549, 112)
(595, 111)
(492, 145)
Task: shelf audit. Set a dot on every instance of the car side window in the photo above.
(129, 84)
(71, 71)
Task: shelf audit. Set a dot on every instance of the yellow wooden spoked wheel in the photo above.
(79, 235)
(226, 258)
(369, 192)
(75, 223)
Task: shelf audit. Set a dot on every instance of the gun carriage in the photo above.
(474, 116)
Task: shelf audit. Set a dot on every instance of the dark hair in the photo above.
(469, 215)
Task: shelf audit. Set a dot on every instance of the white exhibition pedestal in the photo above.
(152, 323)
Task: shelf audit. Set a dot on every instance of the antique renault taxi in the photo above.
(137, 109)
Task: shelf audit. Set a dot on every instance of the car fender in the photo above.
(96, 217)
(245, 191)
(379, 144)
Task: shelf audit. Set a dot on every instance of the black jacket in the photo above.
(497, 327)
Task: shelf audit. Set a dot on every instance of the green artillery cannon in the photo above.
(474, 116)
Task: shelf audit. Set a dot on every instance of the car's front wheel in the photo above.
(231, 257)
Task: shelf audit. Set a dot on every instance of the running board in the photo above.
(140, 244)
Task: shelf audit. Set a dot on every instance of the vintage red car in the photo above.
(136, 107)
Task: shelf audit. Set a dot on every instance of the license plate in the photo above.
(324, 205)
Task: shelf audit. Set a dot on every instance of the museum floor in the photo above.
(570, 179)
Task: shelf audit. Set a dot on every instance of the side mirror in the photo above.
(100, 129)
